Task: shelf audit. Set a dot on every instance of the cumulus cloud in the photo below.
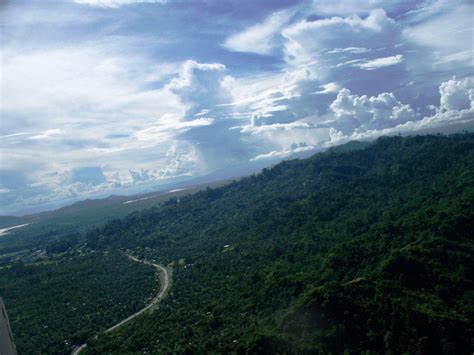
(361, 113)
(440, 122)
(204, 91)
(117, 3)
(259, 38)
(457, 94)
(200, 86)
(181, 160)
(456, 110)
(103, 107)
(141, 175)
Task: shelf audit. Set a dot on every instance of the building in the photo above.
(7, 346)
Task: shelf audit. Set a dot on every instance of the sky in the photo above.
(101, 97)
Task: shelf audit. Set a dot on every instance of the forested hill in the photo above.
(349, 250)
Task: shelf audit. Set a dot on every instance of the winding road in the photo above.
(78, 349)
(164, 285)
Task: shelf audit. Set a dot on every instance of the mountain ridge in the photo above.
(306, 251)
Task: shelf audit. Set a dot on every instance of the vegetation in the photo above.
(364, 248)
(79, 217)
(351, 250)
(53, 306)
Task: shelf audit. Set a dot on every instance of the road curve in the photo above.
(164, 285)
(163, 288)
(78, 349)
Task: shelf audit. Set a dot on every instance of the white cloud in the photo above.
(352, 62)
(440, 122)
(361, 113)
(448, 34)
(89, 93)
(275, 127)
(352, 50)
(277, 110)
(200, 86)
(259, 38)
(169, 126)
(14, 135)
(329, 88)
(181, 160)
(77, 85)
(456, 110)
(457, 94)
(306, 41)
(287, 102)
(117, 3)
(203, 112)
(380, 62)
(205, 87)
(47, 134)
(141, 175)
(275, 154)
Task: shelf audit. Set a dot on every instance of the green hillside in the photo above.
(51, 226)
(361, 250)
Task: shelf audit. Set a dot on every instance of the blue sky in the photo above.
(120, 96)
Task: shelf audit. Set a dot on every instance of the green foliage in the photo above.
(353, 250)
(79, 217)
(362, 249)
(54, 306)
